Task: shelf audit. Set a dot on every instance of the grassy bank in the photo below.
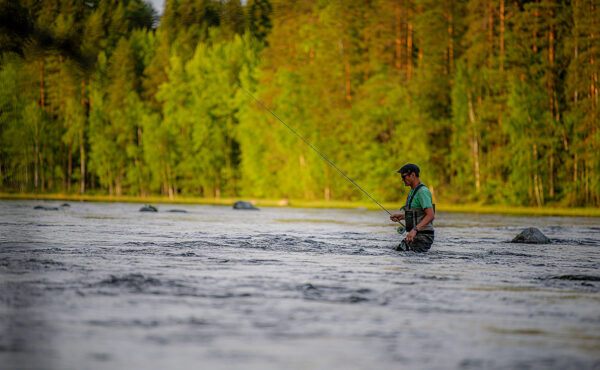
(467, 208)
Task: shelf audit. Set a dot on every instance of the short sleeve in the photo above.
(425, 199)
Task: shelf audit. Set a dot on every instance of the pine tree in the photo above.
(259, 13)
(581, 136)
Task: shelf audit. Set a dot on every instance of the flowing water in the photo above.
(103, 286)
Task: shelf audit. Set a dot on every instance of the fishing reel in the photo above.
(401, 229)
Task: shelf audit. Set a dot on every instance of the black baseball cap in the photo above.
(408, 168)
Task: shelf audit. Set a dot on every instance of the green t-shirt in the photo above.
(422, 199)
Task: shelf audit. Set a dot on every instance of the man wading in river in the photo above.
(419, 212)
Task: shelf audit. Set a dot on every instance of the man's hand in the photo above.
(411, 236)
(397, 217)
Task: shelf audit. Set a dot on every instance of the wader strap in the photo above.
(411, 197)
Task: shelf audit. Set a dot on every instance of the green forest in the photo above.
(497, 101)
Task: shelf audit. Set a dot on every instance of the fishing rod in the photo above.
(315, 149)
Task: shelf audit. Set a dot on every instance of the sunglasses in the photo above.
(405, 175)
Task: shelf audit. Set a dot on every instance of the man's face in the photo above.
(407, 178)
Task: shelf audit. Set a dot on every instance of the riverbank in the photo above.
(299, 203)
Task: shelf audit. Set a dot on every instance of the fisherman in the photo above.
(419, 212)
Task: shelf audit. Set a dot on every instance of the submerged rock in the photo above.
(65, 205)
(578, 277)
(46, 208)
(531, 235)
(177, 210)
(241, 204)
(148, 208)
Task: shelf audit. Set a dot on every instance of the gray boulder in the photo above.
(577, 277)
(241, 204)
(46, 208)
(148, 208)
(531, 235)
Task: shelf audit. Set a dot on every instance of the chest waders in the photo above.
(414, 216)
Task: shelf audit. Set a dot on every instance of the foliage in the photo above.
(496, 101)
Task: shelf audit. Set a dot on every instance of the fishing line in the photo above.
(315, 149)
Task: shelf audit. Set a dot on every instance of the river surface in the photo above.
(103, 286)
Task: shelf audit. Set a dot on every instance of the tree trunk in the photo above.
(409, 46)
(536, 185)
(41, 169)
(587, 182)
(64, 168)
(575, 176)
(119, 184)
(140, 161)
(61, 103)
(82, 141)
(491, 32)
(92, 183)
(595, 196)
(450, 40)
(36, 177)
(169, 182)
(26, 177)
(397, 39)
(36, 174)
(475, 146)
(82, 161)
(553, 103)
(69, 167)
(551, 173)
(110, 184)
(476, 157)
(420, 45)
(502, 16)
(163, 174)
(576, 48)
(42, 98)
(536, 189)
(536, 14)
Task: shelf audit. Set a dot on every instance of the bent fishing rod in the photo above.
(315, 149)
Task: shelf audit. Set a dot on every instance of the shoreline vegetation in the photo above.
(497, 102)
(300, 203)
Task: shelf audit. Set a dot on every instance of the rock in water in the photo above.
(177, 211)
(148, 208)
(240, 204)
(46, 208)
(577, 277)
(531, 235)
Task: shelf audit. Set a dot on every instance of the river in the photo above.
(103, 286)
